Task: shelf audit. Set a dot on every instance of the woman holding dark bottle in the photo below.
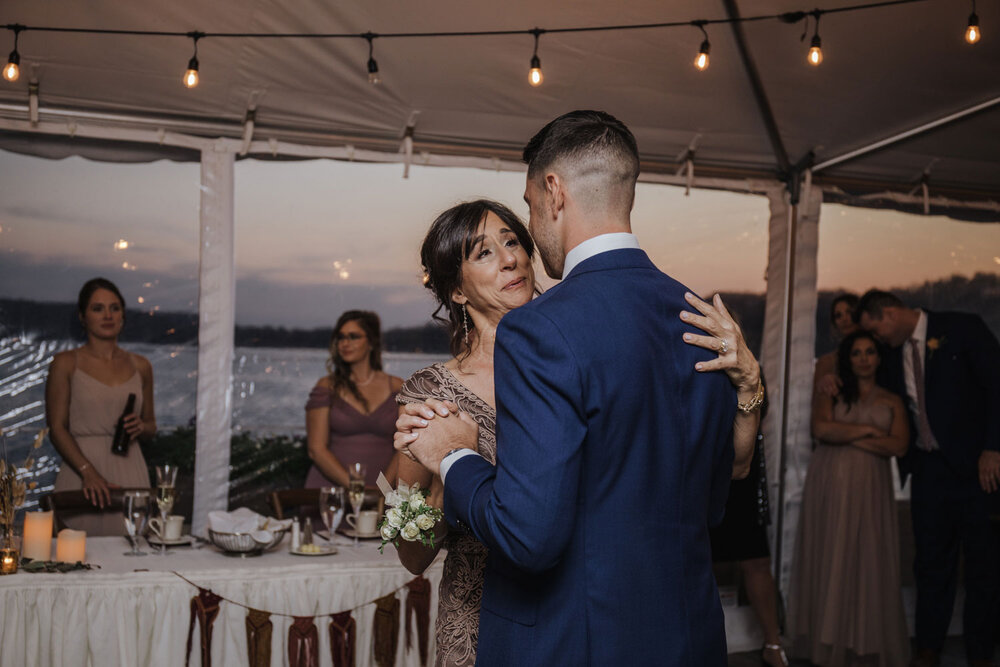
(98, 401)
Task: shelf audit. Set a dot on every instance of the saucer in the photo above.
(349, 532)
(323, 551)
(182, 541)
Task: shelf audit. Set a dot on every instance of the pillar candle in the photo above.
(71, 546)
(37, 542)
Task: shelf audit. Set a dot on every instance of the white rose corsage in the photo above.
(406, 516)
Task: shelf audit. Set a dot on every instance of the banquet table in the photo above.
(136, 610)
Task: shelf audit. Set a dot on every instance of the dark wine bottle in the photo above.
(120, 442)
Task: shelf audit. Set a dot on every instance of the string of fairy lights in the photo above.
(191, 78)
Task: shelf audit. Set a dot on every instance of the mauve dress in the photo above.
(355, 437)
(461, 591)
(94, 409)
(846, 599)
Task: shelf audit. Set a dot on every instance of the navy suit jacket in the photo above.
(613, 457)
(961, 389)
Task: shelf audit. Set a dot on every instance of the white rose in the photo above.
(394, 517)
(416, 501)
(388, 531)
(409, 532)
(394, 499)
(424, 522)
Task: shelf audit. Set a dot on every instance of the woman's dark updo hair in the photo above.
(849, 391)
(448, 243)
(850, 299)
(91, 286)
(339, 370)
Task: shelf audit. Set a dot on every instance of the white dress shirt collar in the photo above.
(596, 245)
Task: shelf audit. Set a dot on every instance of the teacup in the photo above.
(366, 522)
(174, 527)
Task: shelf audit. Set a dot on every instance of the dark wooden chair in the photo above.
(67, 503)
(291, 503)
(305, 502)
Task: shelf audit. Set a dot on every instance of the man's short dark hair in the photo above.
(873, 301)
(580, 135)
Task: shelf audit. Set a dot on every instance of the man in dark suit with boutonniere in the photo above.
(948, 365)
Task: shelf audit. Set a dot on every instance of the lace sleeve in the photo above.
(425, 383)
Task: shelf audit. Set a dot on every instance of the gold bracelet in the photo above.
(755, 402)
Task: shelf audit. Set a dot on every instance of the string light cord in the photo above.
(786, 17)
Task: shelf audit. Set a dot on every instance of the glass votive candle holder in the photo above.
(9, 557)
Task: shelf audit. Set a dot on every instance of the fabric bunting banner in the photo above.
(303, 634)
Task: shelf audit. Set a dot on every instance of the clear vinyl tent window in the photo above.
(315, 238)
(63, 222)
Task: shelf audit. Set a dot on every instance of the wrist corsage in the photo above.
(406, 516)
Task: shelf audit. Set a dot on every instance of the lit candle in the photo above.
(8, 561)
(71, 546)
(37, 535)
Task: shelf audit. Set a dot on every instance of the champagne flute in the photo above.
(136, 506)
(331, 507)
(166, 478)
(356, 492)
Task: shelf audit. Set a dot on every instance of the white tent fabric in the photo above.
(216, 322)
(886, 70)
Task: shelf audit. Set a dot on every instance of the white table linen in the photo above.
(134, 611)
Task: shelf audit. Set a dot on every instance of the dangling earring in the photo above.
(465, 324)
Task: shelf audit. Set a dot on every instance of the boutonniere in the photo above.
(933, 344)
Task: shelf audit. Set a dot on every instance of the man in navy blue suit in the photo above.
(948, 365)
(613, 453)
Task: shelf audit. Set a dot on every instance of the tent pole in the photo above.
(763, 104)
(216, 323)
(786, 337)
(896, 138)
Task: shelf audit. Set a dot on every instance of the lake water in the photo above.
(270, 388)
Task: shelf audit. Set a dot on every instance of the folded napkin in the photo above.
(244, 520)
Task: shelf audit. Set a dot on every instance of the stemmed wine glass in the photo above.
(356, 492)
(331, 507)
(166, 478)
(136, 506)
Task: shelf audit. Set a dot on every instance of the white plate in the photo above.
(182, 541)
(323, 551)
(347, 530)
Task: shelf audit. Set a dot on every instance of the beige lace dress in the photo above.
(461, 591)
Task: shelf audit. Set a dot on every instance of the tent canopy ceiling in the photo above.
(886, 70)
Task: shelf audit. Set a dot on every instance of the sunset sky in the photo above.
(316, 238)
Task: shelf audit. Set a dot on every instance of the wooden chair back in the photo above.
(67, 503)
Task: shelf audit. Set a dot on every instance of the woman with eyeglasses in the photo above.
(351, 412)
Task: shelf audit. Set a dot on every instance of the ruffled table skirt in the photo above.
(117, 615)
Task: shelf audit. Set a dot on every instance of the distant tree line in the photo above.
(979, 294)
(47, 320)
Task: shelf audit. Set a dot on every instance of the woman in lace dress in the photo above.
(477, 260)
(846, 606)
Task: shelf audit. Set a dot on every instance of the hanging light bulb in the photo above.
(972, 33)
(12, 70)
(374, 77)
(815, 56)
(191, 75)
(816, 51)
(535, 77)
(701, 61)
